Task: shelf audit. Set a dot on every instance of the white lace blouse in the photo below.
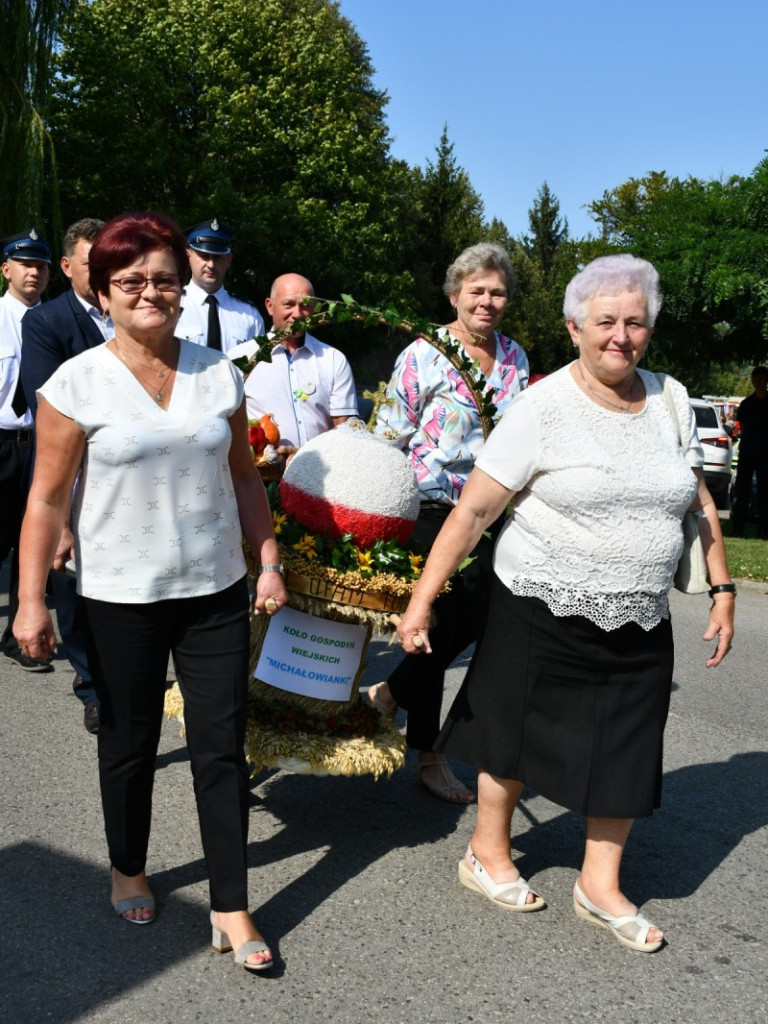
(600, 499)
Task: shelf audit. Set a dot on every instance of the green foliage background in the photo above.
(264, 114)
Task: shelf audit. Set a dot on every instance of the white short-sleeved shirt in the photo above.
(11, 313)
(155, 515)
(238, 320)
(302, 391)
(599, 499)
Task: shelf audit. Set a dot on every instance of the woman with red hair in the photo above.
(151, 434)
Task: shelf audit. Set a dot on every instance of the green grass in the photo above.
(747, 556)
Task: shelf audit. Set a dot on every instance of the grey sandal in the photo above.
(220, 942)
(133, 903)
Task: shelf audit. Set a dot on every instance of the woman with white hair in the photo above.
(432, 416)
(569, 689)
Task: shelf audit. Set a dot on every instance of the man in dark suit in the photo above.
(60, 329)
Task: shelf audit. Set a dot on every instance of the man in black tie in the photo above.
(52, 333)
(210, 314)
(26, 269)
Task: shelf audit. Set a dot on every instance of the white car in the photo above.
(718, 450)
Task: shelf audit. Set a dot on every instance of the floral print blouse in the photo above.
(431, 415)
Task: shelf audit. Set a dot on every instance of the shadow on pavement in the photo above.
(65, 953)
(706, 811)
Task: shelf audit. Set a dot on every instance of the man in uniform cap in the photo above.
(211, 315)
(26, 261)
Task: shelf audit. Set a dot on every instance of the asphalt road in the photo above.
(354, 882)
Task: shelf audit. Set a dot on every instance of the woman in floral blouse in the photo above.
(434, 419)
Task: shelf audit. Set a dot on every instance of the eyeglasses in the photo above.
(135, 284)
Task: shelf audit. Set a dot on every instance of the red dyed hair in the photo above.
(125, 238)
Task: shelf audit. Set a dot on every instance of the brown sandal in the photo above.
(450, 784)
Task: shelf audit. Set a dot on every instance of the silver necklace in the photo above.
(157, 393)
(602, 398)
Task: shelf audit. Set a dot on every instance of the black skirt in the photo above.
(574, 711)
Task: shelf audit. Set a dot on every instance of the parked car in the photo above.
(718, 451)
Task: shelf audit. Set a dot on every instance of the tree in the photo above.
(544, 261)
(28, 195)
(548, 230)
(450, 217)
(260, 112)
(707, 240)
(622, 209)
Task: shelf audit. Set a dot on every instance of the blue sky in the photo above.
(582, 95)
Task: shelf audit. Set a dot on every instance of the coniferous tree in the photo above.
(544, 260)
(451, 218)
(548, 229)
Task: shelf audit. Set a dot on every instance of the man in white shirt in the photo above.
(211, 315)
(26, 269)
(308, 387)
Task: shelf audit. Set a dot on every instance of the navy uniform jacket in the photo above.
(58, 330)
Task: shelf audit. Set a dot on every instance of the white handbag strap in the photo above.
(666, 387)
(664, 380)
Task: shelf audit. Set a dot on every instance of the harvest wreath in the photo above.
(345, 309)
(342, 513)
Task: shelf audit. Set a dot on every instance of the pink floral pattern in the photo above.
(434, 419)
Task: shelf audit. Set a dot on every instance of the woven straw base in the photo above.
(314, 752)
(326, 590)
(377, 755)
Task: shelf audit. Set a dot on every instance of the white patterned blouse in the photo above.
(155, 515)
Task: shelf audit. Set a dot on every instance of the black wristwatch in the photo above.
(723, 588)
(271, 568)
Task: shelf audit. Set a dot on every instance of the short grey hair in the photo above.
(86, 228)
(611, 275)
(479, 259)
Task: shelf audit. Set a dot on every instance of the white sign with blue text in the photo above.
(315, 657)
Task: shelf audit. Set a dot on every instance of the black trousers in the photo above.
(128, 650)
(750, 463)
(417, 682)
(14, 484)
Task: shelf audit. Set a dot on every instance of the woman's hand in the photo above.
(720, 626)
(721, 612)
(33, 630)
(482, 501)
(270, 594)
(412, 629)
